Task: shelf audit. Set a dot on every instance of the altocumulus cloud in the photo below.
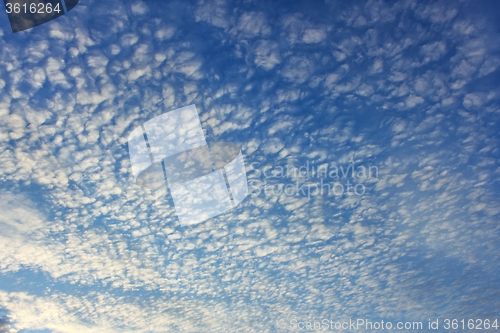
(329, 84)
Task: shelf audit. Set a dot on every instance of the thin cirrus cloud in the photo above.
(373, 84)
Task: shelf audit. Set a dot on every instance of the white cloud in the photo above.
(98, 62)
(272, 146)
(473, 100)
(54, 72)
(311, 36)
(267, 54)
(164, 33)
(253, 24)
(438, 12)
(365, 90)
(129, 39)
(139, 8)
(101, 232)
(433, 51)
(298, 69)
(213, 12)
(489, 66)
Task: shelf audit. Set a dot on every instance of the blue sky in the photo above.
(410, 88)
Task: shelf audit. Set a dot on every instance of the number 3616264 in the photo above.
(34, 8)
